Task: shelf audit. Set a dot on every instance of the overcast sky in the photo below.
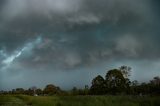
(69, 42)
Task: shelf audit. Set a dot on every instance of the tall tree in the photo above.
(51, 89)
(155, 85)
(126, 71)
(98, 86)
(19, 91)
(156, 80)
(39, 91)
(115, 81)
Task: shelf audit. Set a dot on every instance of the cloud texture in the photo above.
(76, 36)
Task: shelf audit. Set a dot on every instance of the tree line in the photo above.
(116, 82)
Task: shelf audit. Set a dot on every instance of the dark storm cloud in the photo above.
(96, 30)
(60, 35)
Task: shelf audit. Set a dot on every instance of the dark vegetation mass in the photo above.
(116, 82)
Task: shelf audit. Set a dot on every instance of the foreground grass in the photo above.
(22, 100)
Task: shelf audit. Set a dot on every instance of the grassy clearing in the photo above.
(11, 101)
(22, 100)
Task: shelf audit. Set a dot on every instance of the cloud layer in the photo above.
(59, 36)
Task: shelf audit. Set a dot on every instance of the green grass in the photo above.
(22, 100)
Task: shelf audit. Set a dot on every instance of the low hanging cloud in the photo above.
(16, 8)
(85, 30)
(67, 35)
(128, 45)
(83, 19)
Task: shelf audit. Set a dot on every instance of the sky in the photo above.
(69, 42)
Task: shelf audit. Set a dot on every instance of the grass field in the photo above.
(22, 100)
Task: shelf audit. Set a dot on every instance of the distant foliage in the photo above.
(51, 90)
(115, 82)
(98, 86)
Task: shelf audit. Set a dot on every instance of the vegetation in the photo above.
(115, 89)
(117, 82)
(21, 100)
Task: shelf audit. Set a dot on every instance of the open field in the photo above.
(22, 100)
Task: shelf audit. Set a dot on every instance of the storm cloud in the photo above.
(66, 39)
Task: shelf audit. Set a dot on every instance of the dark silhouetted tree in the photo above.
(98, 86)
(74, 91)
(155, 85)
(115, 81)
(39, 91)
(19, 91)
(34, 88)
(126, 71)
(86, 90)
(29, 92)
(51, 89)
(156, 81)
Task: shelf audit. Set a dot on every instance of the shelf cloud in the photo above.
(79, 37)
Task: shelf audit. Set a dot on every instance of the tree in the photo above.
(125, 71)
(19, 91)
(51, 89)
(98, 86)
(13, 91)
(134, 87)
(144, 88)
(29, 92)
(156, 80)
(86, 89)
(155, 85)
(115, 81)
(34, 88)
(39, 92)
(134, 83)
(74, 91)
